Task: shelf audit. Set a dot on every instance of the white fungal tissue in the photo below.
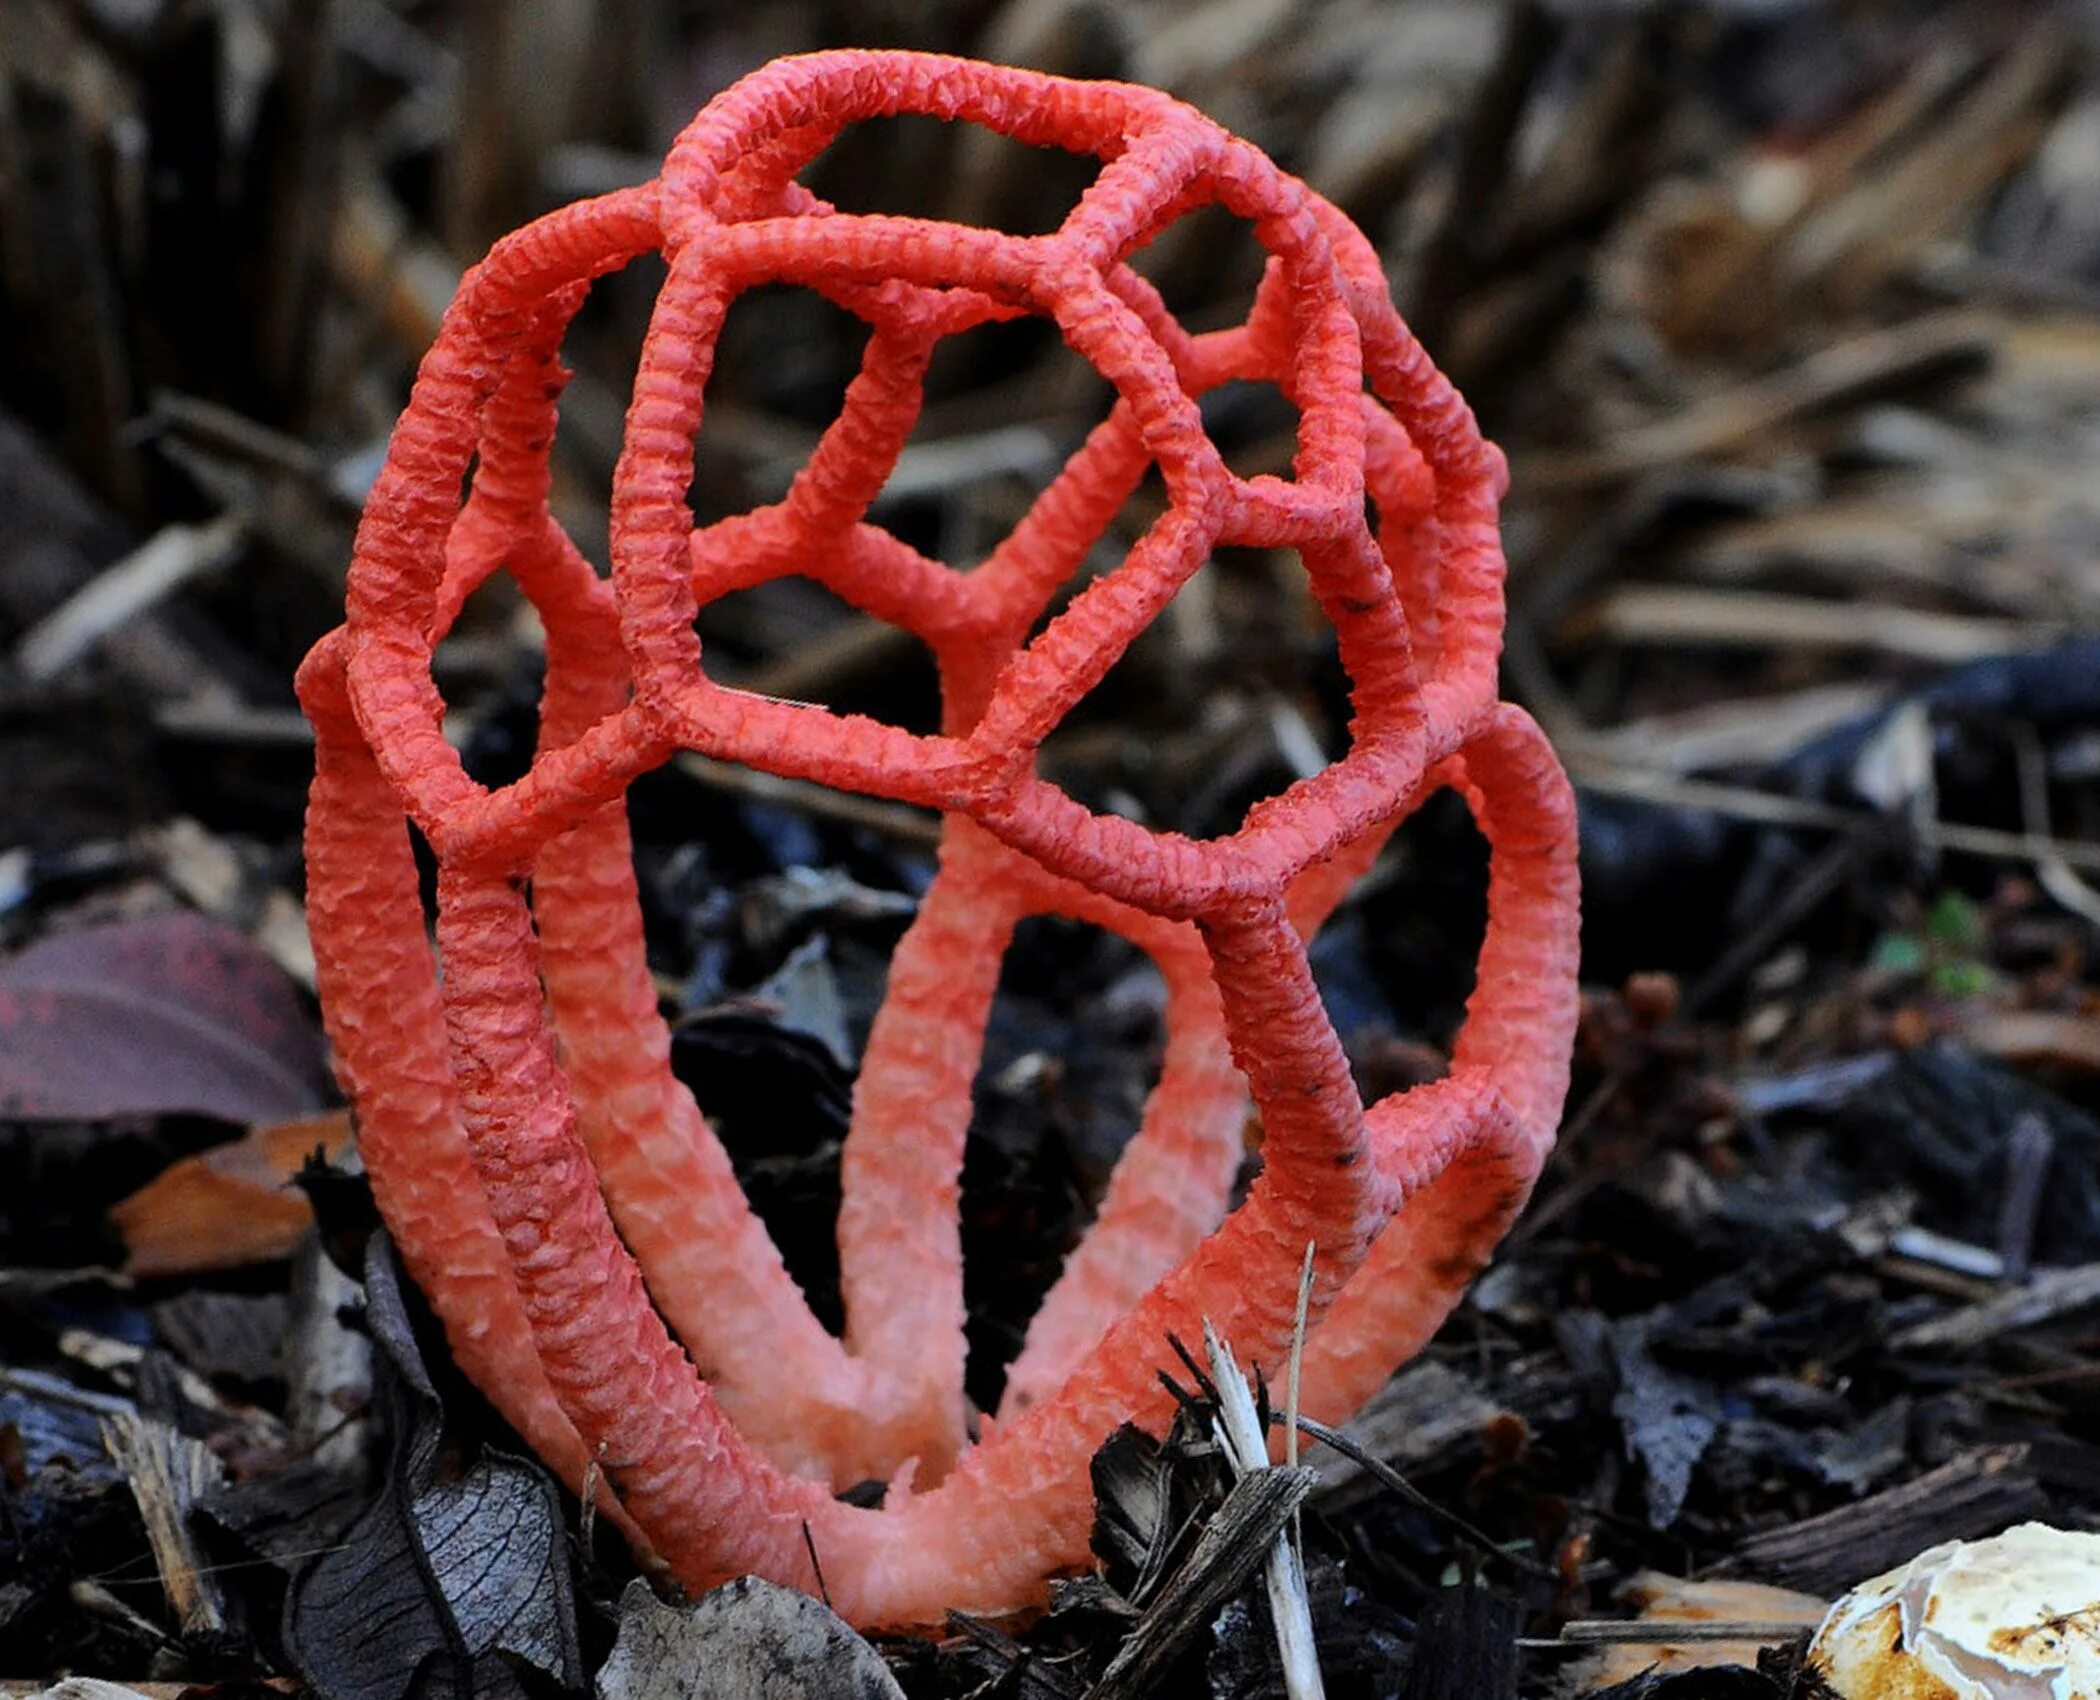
(2016, 1617)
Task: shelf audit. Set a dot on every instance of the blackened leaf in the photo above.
(495, 1547)
(173, 1014)
(450, 1579)
(240, 1335)
(1668, 1420)
(769, 1091)
(1465, 1648)
(779, 1102)
(1860, 1457)
(289, 1515)
(748, 1640)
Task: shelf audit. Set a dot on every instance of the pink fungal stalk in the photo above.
(526, 1141)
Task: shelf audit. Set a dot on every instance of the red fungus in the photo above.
(526, 1141)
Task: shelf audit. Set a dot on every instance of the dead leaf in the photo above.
(748, 1640)
(451, 1581)
(173, 1014)
(1668, 1419)
(1665, 1600)
(232, 1205)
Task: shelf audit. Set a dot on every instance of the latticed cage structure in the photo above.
(556, 1192)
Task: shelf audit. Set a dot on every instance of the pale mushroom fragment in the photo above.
(2016, 1617)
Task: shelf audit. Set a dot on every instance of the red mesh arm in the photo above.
(566, 1207)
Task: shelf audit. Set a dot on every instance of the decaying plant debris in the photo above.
(1787, 317)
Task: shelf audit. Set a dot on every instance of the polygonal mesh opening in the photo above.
(1254, 425)
(1071, 1050)
(956, 484)
(927, 168)
(492, 659)
(1006, 403)
(479, 656)
(1206, 266)
(1140, 511)
(604, 338)
(782, 363)
(1232, 694)
(1395, 960)
(793, 639)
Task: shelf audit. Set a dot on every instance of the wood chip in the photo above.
(1729, 619)
(1860, 366)
(1230, 1550)
(2055, 1294)
(1976, 1494)
(173, 557)
(1425, 1412)
(168, 1472)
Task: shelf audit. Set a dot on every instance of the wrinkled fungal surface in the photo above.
(557, 1194)
(2015, 1617)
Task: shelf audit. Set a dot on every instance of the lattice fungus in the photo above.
(526, 1141)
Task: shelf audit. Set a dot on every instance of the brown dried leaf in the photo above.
(231, 1205)
(1665, 1600)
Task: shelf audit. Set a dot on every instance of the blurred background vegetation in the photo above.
(1785, 311)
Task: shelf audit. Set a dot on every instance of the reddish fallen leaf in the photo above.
(232, 1205)
(173, 1014)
